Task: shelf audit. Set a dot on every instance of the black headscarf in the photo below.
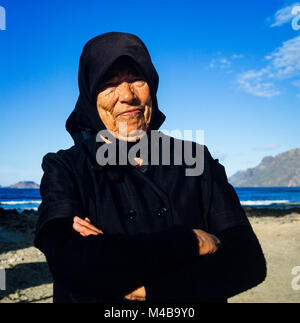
(98, 55)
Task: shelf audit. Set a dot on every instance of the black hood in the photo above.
(97, 56)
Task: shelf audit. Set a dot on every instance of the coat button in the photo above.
(162, 211)
(132, 214)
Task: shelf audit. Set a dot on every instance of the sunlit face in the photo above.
(124, 102)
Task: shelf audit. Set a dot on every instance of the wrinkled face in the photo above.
(124, 102)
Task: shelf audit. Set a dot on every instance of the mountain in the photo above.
(281, 170)
(26, 184)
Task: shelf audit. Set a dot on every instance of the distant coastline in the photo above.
(23, 185)
(282, 170)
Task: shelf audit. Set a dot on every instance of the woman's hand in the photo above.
(84, 227)
(137, 295)
(208, 243)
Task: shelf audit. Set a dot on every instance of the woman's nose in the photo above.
(125, 92)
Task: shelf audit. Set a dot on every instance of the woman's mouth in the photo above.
(129, 113)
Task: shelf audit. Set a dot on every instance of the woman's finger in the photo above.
(87, 224)
(137, 294)
(83, 229)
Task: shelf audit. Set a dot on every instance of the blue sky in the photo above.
(230, 68)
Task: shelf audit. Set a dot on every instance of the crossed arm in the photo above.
(207, 244)
(156, 258)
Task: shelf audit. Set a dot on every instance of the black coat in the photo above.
(147, 215)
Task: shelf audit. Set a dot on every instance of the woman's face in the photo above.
(124, 102)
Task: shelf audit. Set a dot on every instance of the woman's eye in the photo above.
(139, 82)
(109, 85)
(108, 88)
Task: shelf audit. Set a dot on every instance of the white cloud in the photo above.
(222, 62)
(283, 64)
(285, 61)
(284, 15)
(253, 83)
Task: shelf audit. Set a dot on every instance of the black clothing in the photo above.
(170, 269)
(147, 215)
(236, 267)
(107, 267)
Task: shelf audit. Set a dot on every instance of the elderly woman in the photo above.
(134, 231)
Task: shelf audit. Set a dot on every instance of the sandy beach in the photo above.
(28, 279)
(280, 241)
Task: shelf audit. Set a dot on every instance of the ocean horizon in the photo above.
(257, 197)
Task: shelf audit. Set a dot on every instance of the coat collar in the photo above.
(91, 144)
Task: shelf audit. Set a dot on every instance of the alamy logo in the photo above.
(296, 279)
(2, 279)
(156, 146)
(296, 20)
(2, 18)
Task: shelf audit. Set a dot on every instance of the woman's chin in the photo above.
(132, 135)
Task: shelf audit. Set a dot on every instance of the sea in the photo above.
(257, 197)
(20, 199)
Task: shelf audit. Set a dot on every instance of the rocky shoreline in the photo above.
(27, 275)
(28, 279)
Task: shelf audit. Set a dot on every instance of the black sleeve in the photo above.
(225, 210)
(111, 265)
(236, 267)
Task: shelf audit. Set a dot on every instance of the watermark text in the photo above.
(159, 148)
(2, 18)
(2, 279)
(296, 20)
(296, 279)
